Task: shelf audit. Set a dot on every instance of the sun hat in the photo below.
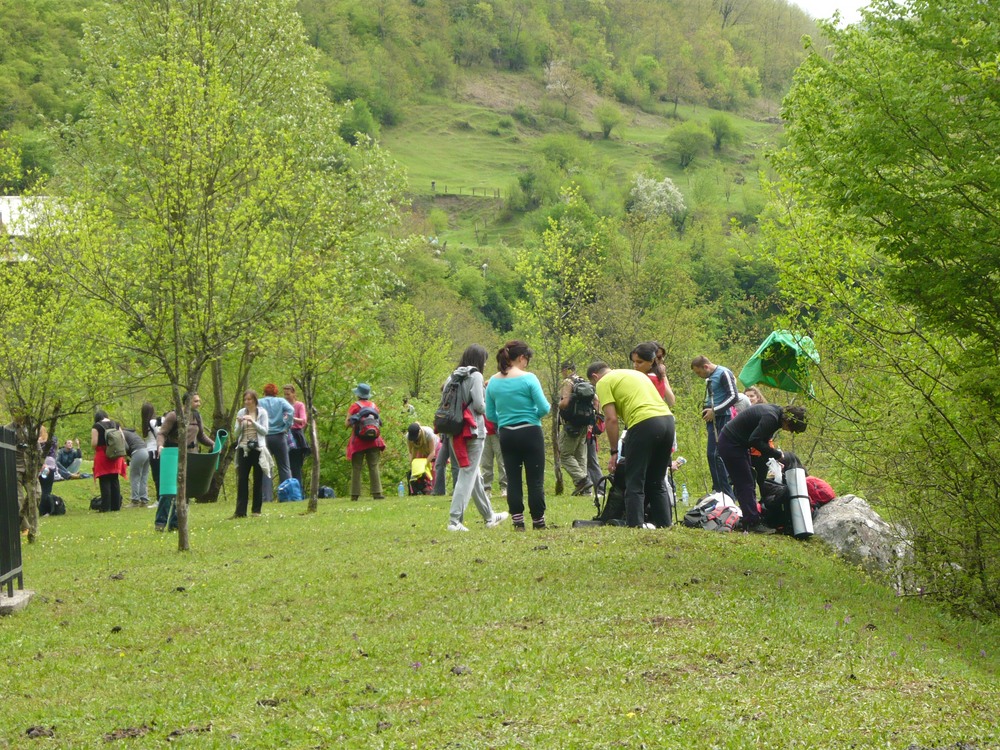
(363, 390)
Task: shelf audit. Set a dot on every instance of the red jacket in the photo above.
(458, 441)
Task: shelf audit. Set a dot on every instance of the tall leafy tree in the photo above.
(332, 319)
(192, 183)
(560, 281)
(53, 362)
(421, 346)
(887, 232)
(897, 129)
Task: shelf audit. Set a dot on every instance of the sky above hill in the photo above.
(826, 8)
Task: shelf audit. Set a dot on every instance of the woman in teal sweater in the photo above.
(516, 403)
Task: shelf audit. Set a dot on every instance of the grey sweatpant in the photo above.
(470, 484)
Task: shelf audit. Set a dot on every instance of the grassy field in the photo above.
(368, 625)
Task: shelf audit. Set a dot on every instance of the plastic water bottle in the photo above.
(684, 494)
(401, 489)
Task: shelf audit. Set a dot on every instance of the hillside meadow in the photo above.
(367, 625)
(462, 155)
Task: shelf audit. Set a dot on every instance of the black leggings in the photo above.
(111, 493)
(246, 464)
(524, 446)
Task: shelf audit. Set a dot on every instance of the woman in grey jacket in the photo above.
(469, 483)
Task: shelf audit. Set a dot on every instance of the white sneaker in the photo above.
(498, 518)
(648, 526)
(452, 526)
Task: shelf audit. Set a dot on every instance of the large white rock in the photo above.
(859, 535)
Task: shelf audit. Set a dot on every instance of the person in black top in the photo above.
(754, 428)
(106, 470)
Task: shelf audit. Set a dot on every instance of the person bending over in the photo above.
(755, 429)
(628, 398)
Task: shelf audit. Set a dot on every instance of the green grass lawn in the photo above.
(368, 625)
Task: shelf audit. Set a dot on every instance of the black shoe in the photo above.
(518, 527)
(761, 528)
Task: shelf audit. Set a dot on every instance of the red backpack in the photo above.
(820, 492)
(367, 422)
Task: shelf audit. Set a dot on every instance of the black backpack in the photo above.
(51, 505)
(580, 412)
(449, 419)
(713, 513)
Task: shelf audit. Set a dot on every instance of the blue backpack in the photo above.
(289, 491)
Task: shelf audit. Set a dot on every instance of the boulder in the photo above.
(859, 535)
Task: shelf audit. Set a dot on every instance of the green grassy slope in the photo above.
(368, 625)
(474, 146)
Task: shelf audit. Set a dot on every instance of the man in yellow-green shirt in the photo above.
(628, 398)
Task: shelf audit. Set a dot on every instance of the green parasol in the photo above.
(782, 361)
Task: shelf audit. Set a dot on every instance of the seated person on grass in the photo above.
(68, 460)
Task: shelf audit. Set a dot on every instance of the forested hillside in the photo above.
(736, 55)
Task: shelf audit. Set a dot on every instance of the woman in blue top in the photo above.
(516, 403)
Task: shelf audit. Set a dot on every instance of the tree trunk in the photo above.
(32, 467)
(223, 419)
(314, 448)
(180, 502)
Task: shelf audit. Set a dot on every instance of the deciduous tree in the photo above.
(560, 280)
(192, 183)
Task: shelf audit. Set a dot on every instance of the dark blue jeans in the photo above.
(441, 463)
(737, 459)
(647, 449)
(720, 477)
(165, 511)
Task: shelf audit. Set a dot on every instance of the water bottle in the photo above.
(401, 489)
(684, 494)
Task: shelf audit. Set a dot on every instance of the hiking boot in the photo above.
(354, 498)
(161, 527)
(378, 497)
(538, 525)
(453, 526)
(519, 526)
(584, 489)
(761, 528)
(498, 518)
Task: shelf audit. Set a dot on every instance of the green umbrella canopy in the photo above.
(782, 361)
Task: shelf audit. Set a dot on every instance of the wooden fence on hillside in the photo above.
(475, 192)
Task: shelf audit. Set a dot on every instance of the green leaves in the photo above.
(894, 132)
